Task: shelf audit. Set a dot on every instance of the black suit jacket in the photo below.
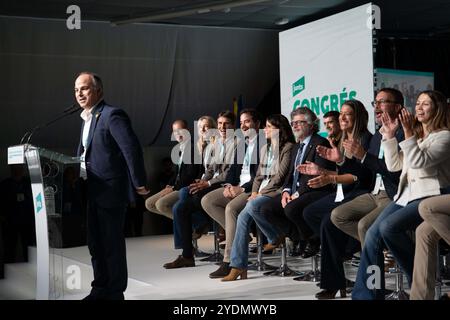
(390, 179)
(312, 156)
(366, 177)
(233, 175)
(187, 172)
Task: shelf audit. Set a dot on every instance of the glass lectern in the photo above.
(52, 176)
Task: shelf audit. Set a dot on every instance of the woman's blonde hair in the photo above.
(212, 124)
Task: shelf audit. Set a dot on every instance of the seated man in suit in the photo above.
(286, 210)
(186, 171)
(224, 204)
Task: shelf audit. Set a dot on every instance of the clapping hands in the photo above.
(331, 154)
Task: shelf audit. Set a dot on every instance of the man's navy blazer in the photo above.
(390, 179)
(114, 158)
(312, 156)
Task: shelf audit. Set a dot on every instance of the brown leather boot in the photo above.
(272, 246)
(236, 273)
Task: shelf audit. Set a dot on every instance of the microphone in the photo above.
(66, 112)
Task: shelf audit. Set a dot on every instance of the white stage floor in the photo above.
(148, 280)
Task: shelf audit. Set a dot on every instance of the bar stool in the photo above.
(399, 293)
(260, 265)
(216, 256)
(197, 252)
(283, 270)
(443, 251)
(312, 275)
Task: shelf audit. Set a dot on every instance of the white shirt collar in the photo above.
(306, 140)
(86, 114)
(183, 145)
(252, 140)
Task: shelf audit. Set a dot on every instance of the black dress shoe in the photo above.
(223, 271)
(349, 283)
(180, 262)
(330, 294)
(312, 248)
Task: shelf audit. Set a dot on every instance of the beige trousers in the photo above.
(225, 212)
(162, 205)
(435, 212)
(356, 216)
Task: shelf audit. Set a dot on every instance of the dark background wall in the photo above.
(429, 55)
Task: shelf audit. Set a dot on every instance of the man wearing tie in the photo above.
(113, 166)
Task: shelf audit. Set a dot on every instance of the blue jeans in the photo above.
(271, 231)
(390, 230)
(239, 250)
(181, 207)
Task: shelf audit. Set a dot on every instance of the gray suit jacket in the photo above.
(217, 165)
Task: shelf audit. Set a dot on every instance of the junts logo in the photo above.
(298, 86)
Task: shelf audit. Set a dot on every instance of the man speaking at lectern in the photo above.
(112, 164)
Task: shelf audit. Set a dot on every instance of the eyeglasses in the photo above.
(298, 123)
(378, 102)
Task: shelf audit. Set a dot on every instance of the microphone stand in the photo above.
(70, 110)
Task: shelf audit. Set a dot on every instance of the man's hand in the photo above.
(168, 189)
(197, 186)
(226, 192)
(285, 199)
(142, 191)
(254, 195)
(310, 168)
(235, 191)
(331, 154)
(355, 148)
(389, 126)
(319, 181)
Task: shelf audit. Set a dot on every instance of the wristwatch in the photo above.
(355, 178)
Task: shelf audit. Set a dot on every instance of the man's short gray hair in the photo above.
(309, 115)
